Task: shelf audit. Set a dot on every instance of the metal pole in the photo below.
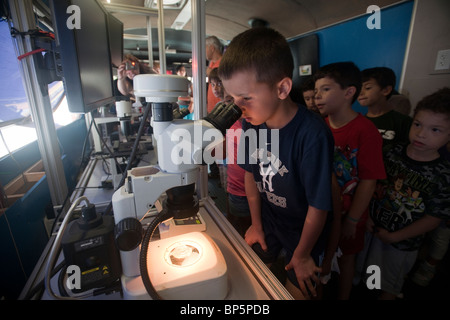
(38, 98)
(161, 38)
(149, 41)
(136, 10)
(199, 77)
(199, 57)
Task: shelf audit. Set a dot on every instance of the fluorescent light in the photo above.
(183, 17)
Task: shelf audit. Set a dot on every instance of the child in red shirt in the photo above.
(358, 161)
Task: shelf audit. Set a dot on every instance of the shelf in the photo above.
(20, 185)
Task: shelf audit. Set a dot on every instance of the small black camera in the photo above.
(130, 65)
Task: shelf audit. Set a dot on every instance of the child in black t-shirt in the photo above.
(377, 87)
(414, 199)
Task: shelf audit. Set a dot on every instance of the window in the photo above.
(17, 128)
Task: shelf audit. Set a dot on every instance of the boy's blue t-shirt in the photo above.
(292, 168)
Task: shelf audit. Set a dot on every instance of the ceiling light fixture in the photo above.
(183, 17)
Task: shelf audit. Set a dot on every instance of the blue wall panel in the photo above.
(354, 41)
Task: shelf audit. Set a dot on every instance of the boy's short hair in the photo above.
(437, 102)
(346, 74)
(261, 50)
(214, 75)
(308, 85)
(382, 75)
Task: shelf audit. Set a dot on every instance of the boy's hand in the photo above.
(385, 236)
(255, 235)
(306, 270)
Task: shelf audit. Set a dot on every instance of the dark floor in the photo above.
(438, 289)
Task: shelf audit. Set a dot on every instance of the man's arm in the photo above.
(123, 85)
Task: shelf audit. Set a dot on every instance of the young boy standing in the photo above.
(308, 95)
(377, 87)
(358, 160)
(401, 214)
(287, 160)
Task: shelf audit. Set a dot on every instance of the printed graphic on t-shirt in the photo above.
(400, 204)
(346, 170)
(269, 167)
(387, 134)
(407, 195)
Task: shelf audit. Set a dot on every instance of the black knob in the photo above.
(128, 234)
(89, 218)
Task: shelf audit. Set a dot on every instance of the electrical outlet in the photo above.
(442, 60)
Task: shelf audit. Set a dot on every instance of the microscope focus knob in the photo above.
(128, 234)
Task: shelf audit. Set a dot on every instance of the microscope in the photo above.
(182, 147)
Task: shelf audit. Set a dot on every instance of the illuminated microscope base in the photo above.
(188, 266)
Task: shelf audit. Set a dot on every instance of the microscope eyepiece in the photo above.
(223, 116)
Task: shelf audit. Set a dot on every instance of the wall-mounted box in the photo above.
(441, 62)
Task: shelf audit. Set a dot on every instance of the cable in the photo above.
(107, 147)
(61, 286)
(161, 217)
(41, 284)
(54, 253)
(133, 153)
(136, 144)
(79, 170)
(55, 249)
(23, 56)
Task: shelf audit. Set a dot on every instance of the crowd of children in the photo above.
(339, 192)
